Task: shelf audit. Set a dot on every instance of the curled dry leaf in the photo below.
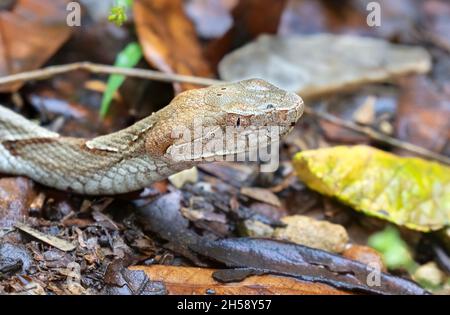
(261, 194)
(409, 192)
(183, 177)
(47, 238)
(187, 280)
(168, 39)
(43, 29)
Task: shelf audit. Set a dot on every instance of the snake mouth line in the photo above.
(253, 145)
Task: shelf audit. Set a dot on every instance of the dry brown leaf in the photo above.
(188, 280)
(261, 194)
(168, 39)
(54, 241)
(251, 18)
(31, 32)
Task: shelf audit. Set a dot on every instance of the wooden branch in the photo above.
(45, 73)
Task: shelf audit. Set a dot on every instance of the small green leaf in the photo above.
(118, 13)
(394, 250)
(127, 58)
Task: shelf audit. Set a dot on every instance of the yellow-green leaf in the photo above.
(409, 192)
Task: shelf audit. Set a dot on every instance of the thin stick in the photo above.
(51, 71)
(373, 134)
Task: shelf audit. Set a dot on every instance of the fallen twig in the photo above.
(51, 71)
(373, 134)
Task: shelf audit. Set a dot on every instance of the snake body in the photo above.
(139, 155)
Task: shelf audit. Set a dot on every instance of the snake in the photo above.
(154, 148)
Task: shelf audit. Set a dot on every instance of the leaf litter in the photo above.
(204, 220)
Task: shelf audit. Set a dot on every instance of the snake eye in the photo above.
(238, 122)
(270, 106)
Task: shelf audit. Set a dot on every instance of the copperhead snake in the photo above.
(135, 157)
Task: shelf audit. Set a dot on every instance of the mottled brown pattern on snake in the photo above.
(133, 158)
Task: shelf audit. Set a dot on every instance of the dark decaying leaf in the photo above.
(305, 263)
(232, 173)
(122, 281)
(155, 218)
(251, 18)
(221, 198)
(14, 258)
(163, 217)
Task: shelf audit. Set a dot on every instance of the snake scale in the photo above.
(133, 158)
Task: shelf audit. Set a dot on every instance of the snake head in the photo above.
(254, 104)
(221, 120)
